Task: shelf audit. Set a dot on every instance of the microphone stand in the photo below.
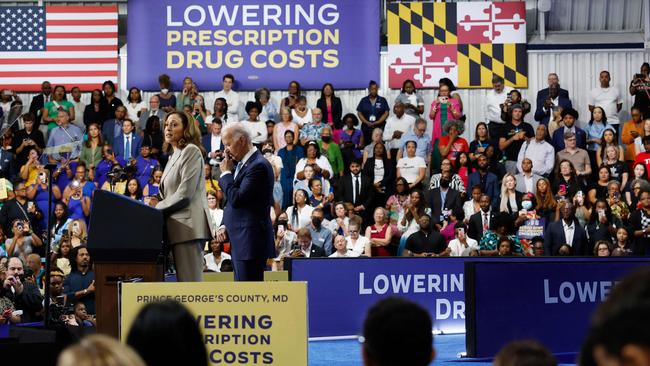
(48, 245)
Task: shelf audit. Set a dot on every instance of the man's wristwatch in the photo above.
(85, 291)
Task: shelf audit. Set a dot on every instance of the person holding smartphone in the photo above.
(639, 88)
(25, 296)
(462, 245)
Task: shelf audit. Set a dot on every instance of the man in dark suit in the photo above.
(550, 99)
(248, 188)
(306, 247)
(38, 102)
(154, 110)
(212, 142)
(359, 190)
(482, 220)
(113, 127)
(565, 231)
(443, 201)
(24, 295)
(488, 181)
(570, 117)
(553, 80)
(127, 139)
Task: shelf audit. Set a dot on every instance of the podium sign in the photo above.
(242, 323)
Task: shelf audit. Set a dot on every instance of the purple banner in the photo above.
(341, 290)
(550, 301)
(260, 43)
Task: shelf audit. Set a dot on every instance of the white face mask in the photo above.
(527, 205)
(164, 91)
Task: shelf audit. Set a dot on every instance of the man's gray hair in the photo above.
(238, 129)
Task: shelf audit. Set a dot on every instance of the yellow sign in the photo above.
(243, 323)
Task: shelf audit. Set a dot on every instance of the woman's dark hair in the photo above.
(64, 238)
(128, 97)
(487, 130)
(421, 208)
(250, 105)
(187, 136)
(96, 92)
(225, 108)
(505, 239)
(149, 128)
(166, 333)
(100, 138)
(645, 175)
(407, 189)
(156, 169)
(448, 82)
(468, 163)
(109, 83)
(594, 212)
(313, 144)
(138, 190)
(383, 158)
(605, 167)
(64, 91)
(294, 212)
(163, 79)
(604, 121)
(603, 145)
(322, 91)
(298, 91)
(502, 219)
(312, 181)
(352, 116)
(64, 218)
(573, 169)
(404, 85)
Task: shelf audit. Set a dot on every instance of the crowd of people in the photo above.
(365, 182)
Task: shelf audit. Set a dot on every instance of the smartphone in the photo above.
(280, 228)
(443, 99)
(601, 214)
(461, 231)
(563, 188)
(30, 205)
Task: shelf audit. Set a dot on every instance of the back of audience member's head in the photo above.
(619, 332)
(226, 265)
(524, 353)
(397, 332)
(99, 350)
(166, 333)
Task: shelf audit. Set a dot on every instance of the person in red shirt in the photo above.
(452, 144)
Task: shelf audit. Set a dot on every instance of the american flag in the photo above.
(65, 45)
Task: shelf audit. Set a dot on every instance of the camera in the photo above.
(117, 173)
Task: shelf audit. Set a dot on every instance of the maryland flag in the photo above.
(467, 42)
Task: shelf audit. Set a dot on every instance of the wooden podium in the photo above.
(125, 239)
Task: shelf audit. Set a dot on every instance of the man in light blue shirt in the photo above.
(418, 135)
(65, 133)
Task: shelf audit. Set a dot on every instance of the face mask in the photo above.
(444, 184)
(526, 205)
(282, 222)
(326, 138)
(316, 221)
(164, 91)
(267, 151)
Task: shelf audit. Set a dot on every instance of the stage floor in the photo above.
(348, 352)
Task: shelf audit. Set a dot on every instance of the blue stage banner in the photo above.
(261, 43)
(341, 290)
(551, 301)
